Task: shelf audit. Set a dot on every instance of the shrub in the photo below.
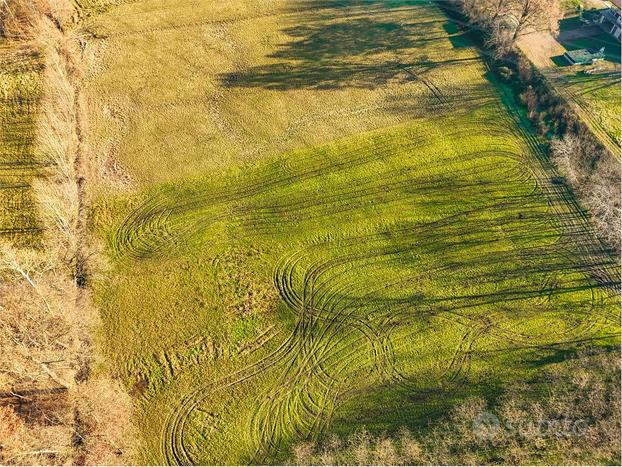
(571, 417)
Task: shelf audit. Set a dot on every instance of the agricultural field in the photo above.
(318, 216)
(20, 82)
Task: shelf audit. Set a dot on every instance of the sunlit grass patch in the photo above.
(336, 221)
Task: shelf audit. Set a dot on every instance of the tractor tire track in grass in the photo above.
(577, 91)
(342, 319)
(139, 234)
(574, 221)
(446, 232)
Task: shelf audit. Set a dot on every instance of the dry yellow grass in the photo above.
(182, 89)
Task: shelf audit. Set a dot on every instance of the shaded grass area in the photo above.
(197, 89)
(20, 69)
(406, 243)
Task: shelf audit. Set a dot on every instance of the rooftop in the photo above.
(585, 55)
(611, 15)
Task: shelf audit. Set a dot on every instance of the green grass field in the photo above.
(331, 217)
(20, 83)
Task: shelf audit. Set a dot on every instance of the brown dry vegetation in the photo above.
(592, 171)
(570, 417)
(53, 408)
(507, 20)
(596, 178)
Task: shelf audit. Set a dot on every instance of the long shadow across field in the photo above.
(333, 47)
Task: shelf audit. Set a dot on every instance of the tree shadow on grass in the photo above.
(420, 410)
(346, 44)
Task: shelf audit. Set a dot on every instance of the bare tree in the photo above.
(535, 15)
(506, 20)
(485, 12)
(500, 40)
(603, 200)
(566, 152)
(595, 177)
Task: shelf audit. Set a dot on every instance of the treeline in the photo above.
(574, 421)
(589, 168)
(54, 409)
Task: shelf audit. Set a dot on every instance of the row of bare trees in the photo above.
(54, 409)
(595, 176)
